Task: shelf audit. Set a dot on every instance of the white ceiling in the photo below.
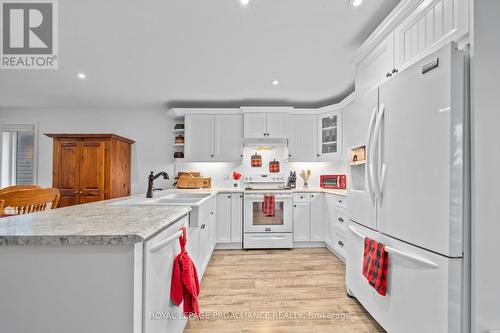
(164, 53)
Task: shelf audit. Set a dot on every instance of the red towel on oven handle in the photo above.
(269, 205)
(185, 285)
(375, 265)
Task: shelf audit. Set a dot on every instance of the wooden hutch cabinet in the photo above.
(90, 167)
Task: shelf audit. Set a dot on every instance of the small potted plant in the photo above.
(305, 177)
(236, 179)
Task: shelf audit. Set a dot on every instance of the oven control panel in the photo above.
(264, 178)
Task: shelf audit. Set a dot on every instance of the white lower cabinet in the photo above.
(302, 221)
(308, 217)
(317, 217)
(336, 224)
(229, 219)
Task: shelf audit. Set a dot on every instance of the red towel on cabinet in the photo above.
(269, 205)
(375, 265)
(185, 285)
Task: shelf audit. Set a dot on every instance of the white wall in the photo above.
(221, 172)
(485, 108)
(151, 130)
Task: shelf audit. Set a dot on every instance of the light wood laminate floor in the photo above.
(241, 288)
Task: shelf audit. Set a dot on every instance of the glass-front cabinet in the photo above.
(330, 135)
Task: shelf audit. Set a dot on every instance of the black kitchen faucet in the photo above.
(151, 179)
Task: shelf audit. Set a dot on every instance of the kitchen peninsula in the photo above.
(88, 268)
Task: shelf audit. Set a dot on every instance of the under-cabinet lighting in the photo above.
(275, 82)
(244, 3)
(356, 3)
(81, 75)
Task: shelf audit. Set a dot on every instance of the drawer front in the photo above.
(340, 222)
(432, 282)
(339, 244)
(268, 241)
(340, 202)
(301, 197)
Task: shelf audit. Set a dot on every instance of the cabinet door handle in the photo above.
(212, 155)
(394, 71)
(341, 243)
(203, 226)
(229, 197)
(388, 75)
(317, 155)
(211, 213)
(312, 195)
(241, 196)
(341, 220)
(295, 206)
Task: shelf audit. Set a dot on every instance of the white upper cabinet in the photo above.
(213, 137)
(255, 125)
(330, 135)
(199, 138)
(377, 67)
(429, 27)
(277, 125)
(262, 125)
(228, 137)
(303, 140)
(413, 30)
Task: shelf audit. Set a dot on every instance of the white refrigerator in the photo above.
(412, 196)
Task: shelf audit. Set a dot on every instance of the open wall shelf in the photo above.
(357, 156)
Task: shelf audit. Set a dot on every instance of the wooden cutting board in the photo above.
(193, 180)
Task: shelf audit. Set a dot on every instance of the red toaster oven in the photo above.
(333, 181)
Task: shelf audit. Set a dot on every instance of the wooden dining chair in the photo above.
(28, 201)
(18, 187)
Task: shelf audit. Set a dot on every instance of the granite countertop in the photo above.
(241, 190)
(89, 224)
(99, 223)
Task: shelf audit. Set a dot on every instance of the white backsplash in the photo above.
(221, 172)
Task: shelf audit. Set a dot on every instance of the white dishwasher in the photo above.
(160, 314)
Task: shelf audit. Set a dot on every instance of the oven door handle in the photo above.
(266, 237)
(260, 196)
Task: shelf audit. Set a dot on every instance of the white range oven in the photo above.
(263, 229)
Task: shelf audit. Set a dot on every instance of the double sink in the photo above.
(199, 203)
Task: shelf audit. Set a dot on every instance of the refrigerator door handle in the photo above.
(407, 256)
(416, 259)
(370, 174)
(376, 137)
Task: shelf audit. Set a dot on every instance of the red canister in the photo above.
(256, 161)
(274, 166)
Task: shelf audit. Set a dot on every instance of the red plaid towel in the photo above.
(375, 265)
(268, 206)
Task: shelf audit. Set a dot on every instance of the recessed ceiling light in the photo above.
(356, 3)
(81, 75)
(244, 3)
(275, 82)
